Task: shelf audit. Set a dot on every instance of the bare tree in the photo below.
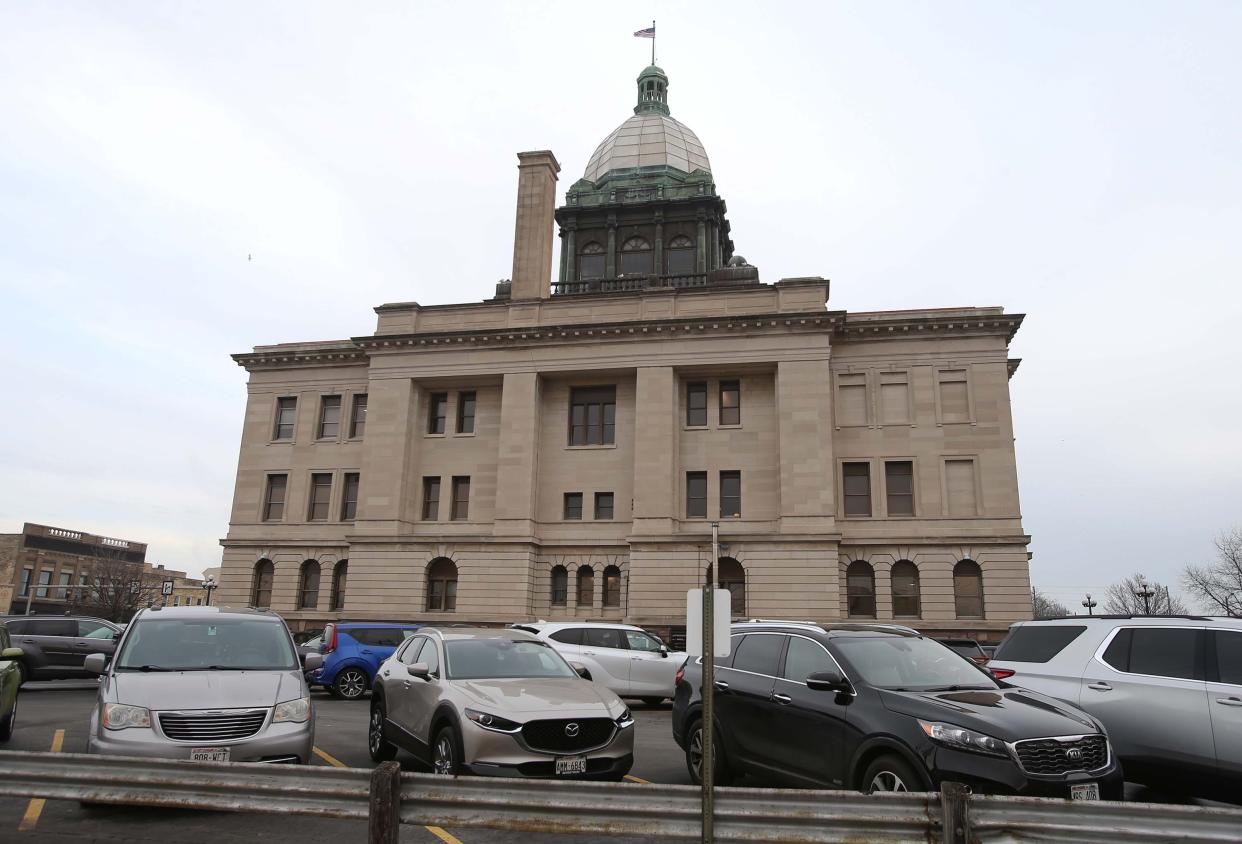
(1218, 585)
(1046, 607)
(118, 588)
(1124, 599)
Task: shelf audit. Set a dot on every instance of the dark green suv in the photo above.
(10, 682)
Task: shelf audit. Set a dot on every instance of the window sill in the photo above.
(435, 436)
(590, 447)
(318, 440)
(695, 428)
(463, 434)
(281, 442)
(736, 427)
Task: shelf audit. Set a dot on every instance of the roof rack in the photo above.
(1124, 616)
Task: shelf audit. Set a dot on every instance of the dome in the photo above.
(648, 140)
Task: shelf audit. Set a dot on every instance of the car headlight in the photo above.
(493, 722)
(963, 739)
(625, 719)
(120, 716)
(294, 711)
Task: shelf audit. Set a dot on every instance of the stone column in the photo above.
(564, 258)
(658, 267)
(610, 261)
(518, 455)
(571, 591)
(389, 458)
(807, 503)
(532, 238)
(655, 450)
(701, 250)
(571, 265)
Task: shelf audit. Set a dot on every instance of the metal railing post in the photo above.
(955, 813)
(707, 768)
(384, 815)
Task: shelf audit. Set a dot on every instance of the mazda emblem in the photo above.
(1073, 754)
(571, 730)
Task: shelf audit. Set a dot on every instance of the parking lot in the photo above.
(54, 717)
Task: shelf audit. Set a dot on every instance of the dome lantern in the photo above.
(652, 92)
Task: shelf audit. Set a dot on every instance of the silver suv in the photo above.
(496, 702)
(205, 684)
(1167, 688)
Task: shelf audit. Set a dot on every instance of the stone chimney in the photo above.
(532, 237)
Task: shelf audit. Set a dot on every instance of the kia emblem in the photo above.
(1073, 754)
(571, 730)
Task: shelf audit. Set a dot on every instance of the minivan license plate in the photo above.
(571, 765)
(1087, 791)
(209, 754)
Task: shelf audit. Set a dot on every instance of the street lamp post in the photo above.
(1146, 593)
(1090, 604)
(209, 584)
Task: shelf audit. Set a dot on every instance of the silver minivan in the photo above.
(1167, 688)
(205, 684)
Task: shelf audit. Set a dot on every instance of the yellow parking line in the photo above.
(35, 809)
(443, 835)
(633, 778)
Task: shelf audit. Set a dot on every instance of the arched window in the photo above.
(860, 589)
(679, 257)
(261, 584)
(586, 586)
(733, 578)
(560, 586)
(905, 579)
(441, 585)
(612, 586)
(968, 589)
(340, 573)
(308, 585)
(591, 261)
(636, 257)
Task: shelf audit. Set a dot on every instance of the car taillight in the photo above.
(681, 673)
(330, 639)
(1002, 673)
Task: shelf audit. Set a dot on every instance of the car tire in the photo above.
(694, 748)
(890, 772)
(381, 749)
(350, 684)
(652, 701)
(446, 754)
(6, 726)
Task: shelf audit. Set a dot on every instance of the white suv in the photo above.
(628, 660)
(1167, 688)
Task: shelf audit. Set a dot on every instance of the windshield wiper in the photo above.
(146, 668)
(960, 689)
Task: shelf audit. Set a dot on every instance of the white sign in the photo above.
(721, 607)
(166, 587)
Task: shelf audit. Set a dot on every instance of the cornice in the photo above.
(922, 325)
(335, 354)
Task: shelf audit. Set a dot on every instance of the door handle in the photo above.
(1100, 687)
(782, 699)
(721, 685)
(1230, 701)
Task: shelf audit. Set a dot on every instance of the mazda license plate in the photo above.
(209, 754)
(571, 765)
(1086, 791)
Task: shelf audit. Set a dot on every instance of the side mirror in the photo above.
(828, 681)
(96, 663)
(664, 651)
(12, 653)
(419, 670)
(310, 662)
(582, 670)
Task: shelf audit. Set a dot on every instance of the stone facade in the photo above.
(47, 557)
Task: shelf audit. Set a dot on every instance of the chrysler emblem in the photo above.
(1073, 754)
(571, 730)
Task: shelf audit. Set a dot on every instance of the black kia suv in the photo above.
(879, 707)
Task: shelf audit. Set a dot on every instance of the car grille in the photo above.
(229, 725)
(1054, 756)
(553, 736)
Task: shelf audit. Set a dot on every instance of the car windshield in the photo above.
(911, 664)
(206, 645)
(501, 658)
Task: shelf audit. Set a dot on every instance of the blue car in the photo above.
(353, 651)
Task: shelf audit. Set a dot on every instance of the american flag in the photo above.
(649, 32)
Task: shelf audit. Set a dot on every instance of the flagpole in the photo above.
(653, 35)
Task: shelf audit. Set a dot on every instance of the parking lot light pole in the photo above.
(1145, 592)
(209, 584)
(707, 767)
(1090, 604)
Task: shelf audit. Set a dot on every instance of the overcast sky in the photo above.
(181, 181)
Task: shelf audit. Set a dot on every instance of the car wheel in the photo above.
(382, 750)
(446, 753)
(6, 726)
(652, 701)
(350, 684)
(890, 773)
(694, 757)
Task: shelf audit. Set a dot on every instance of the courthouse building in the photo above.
(560, 449)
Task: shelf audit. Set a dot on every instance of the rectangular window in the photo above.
(696, 405)
(852, 399)
(26, 575)
(320, 496)
(274, 501)
(65, 579)
(954, 396)
(696, 495)
(437, 413)
(592, 415)
(603, 505)
(329, 417)
(176, 600)
(730, 403)
(730, 495)
(431, 499)
(286, 413)
(465, 413)
(461, 498)
(349, 497)
(899, 487)
(573, 505)
(45, 580)
(959, 481)
(894, 398)
(358, 417)
(856, 484)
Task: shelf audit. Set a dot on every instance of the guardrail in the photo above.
(386, 797)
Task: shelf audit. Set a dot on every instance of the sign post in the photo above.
(166, 588)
